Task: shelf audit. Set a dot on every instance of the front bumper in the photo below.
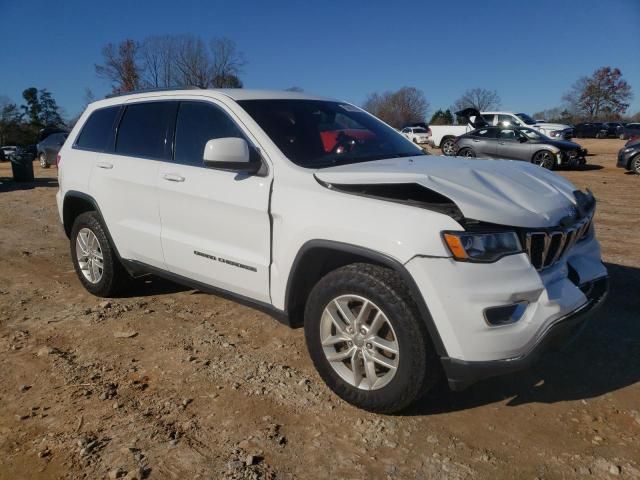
(458, 295)
(624, 159)
(561, 332)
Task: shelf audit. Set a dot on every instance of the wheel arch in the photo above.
(316, 258)
(76, 203)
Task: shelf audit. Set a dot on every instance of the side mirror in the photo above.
(523, 139)
(229, 154)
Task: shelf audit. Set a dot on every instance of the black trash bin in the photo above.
(22, 168)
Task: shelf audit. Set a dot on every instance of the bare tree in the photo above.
(192, 62)
(399, 108)
(604, 95)
(478, 98)
(121, 66)
(226, 63)
(158, 61)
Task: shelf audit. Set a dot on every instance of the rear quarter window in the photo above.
(97, 129)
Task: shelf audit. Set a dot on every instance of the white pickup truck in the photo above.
(443, 136)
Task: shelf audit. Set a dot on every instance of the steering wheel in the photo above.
(344, 144)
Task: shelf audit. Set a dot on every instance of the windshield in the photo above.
(419, 130)
(317, 134)
(532, 134)
(526, 118)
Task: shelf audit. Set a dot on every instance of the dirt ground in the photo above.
(172, 383)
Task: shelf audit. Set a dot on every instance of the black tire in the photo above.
(418, 369)
(544, 159)
(114, 276)
(448, 146)
(466, 152)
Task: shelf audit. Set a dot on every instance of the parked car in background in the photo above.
(7, 150)
(613, 129)
(444, 136)
(48, 148)
(520, 143)
(630, 130)
(416, 134)
(509, 119)
(590, 130)
(629, 156)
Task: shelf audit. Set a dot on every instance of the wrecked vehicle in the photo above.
(520, 143)
(401, 267)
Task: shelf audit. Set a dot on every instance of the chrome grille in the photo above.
(545, 248)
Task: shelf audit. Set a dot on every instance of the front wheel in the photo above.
(367, 340)
(544, 159)
(448, 146)
(43, 160)
(635, 164)
(94, 260)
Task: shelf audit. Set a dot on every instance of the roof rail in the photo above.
(158, 89)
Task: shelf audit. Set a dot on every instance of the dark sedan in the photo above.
(629, 156)
(520, 143)
(590, 130)
(630, 130)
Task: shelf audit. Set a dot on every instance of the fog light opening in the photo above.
(505, 314)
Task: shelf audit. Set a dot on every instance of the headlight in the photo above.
(630, 149)
(555, 133)
(481, 247)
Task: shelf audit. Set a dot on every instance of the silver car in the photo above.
(520, 143)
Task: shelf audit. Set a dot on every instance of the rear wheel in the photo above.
(43, 160)
(635, 164)
(94, 260)
(448, 146)
(544, 159)
(367, 340)
(466, 152)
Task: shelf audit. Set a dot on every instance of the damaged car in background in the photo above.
(519, 143)
(403, 268)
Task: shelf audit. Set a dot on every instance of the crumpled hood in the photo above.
(504, 192)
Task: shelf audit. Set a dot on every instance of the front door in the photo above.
(215, 223)
(510, 146)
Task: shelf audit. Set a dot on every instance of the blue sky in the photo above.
(530, 52)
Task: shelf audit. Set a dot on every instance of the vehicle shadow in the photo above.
(150, 285)
(8, 185)
(587, 167)
(605, 358)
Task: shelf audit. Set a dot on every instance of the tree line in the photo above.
(21, 124)
(166, 61)
(603, 96)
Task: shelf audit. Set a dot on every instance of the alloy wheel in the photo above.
(359, 342)
(43, 160)
(636, 164)
(544, 160)
(89, 255)
(448, 147)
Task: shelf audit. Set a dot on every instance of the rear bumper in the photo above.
(461, 374)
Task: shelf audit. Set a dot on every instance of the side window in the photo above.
(197, 123)
(486, 133)
(488, 118)
(143, 130)
(97, 129)
(507, 121)
(507, 134)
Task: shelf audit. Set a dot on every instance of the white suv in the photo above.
(402, 267)
(416, 134)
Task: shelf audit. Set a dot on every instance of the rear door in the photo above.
(484, 142)
(124, 179)
(216, 227)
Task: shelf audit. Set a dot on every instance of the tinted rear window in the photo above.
(143, 130)
(97, 129)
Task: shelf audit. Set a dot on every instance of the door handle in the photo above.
(500, 143)
(476, 141)
(173, 177)
(105, 165)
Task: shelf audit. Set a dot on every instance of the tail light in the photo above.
(58, 160)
